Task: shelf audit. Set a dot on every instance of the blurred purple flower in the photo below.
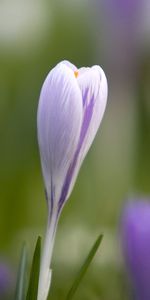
(123, 10)
(71, 107)
(136, 246)
(6, 279)
(122, 21)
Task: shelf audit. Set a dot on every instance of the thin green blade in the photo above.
(84, 267)
(34, 275)
(21, 277)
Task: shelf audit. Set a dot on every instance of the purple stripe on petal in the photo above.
(67, 183)
(86, 120)
(52, 198)
(85, 125)
(50, 203)
(84, 98)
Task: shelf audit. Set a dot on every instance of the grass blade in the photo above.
(21, 277)
(84, 267)
(34, 275)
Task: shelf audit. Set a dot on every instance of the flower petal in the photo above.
(69, 65)
(59, 124)
(93, 86)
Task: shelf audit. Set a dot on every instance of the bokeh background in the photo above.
(34, 36)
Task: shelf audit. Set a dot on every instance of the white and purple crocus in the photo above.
(71, 106)
(136, 246)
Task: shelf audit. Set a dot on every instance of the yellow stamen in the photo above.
(76, 73)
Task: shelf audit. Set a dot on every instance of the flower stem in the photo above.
(45, 270)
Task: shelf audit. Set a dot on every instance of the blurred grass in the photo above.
(111, 170)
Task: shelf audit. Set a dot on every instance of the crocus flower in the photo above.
(136, 246)
(71, 107)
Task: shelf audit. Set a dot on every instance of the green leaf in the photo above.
(21, 277)
(84, 267)
(34, 275)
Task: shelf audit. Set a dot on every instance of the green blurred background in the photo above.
(34, 36)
